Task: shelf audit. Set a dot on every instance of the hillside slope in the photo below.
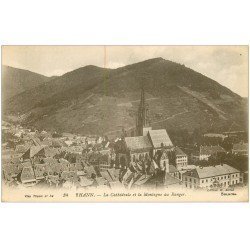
(94, 100)
(16, 81)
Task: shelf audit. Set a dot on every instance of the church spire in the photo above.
(142, 116)
(142, 104)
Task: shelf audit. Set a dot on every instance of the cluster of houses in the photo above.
(147, 160)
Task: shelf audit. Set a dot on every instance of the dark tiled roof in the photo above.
(170, 180)
(33, 151)
(142, 180)
(209, 150)
(108, 176)
(89, 170)
(172, 169)
(179, 152)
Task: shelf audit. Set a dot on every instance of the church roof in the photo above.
(160, 136)
(138, 143)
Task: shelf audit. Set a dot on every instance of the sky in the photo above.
(228, 65)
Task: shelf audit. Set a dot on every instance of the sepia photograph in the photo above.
(124, 123)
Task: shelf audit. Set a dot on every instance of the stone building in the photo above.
(219, 176)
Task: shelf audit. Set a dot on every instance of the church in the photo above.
(148, 144)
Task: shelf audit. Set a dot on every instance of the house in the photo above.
(91, 140)
(34, 152)
(101, 182)
(207, 151)
(40, 171)
(184, 169)
(68, 142)
(90, 171)
(111, 175)
(214, 135)
(138, 147)
(28, 177)
(85, 181)
(195, 156)
(174, 172)
(171, 182)
(240, 149)
(127, 177)
(22, 148)
(181, 159)
(93, 158)
(219, 176)
(142, 182)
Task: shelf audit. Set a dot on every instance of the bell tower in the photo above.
(142, 121)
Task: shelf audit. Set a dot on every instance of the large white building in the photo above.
(219, 176)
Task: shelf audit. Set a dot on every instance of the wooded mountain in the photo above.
(93, 100)
(16, 81)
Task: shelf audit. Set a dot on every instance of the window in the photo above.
(233, 175)
(221, 177)
(236, 175)
(202, 181)
(194, 180)
(206, 180)
(225, 177)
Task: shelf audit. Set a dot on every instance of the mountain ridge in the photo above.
(16, 81)
(93, 99)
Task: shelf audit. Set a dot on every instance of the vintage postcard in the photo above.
(124, 124)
